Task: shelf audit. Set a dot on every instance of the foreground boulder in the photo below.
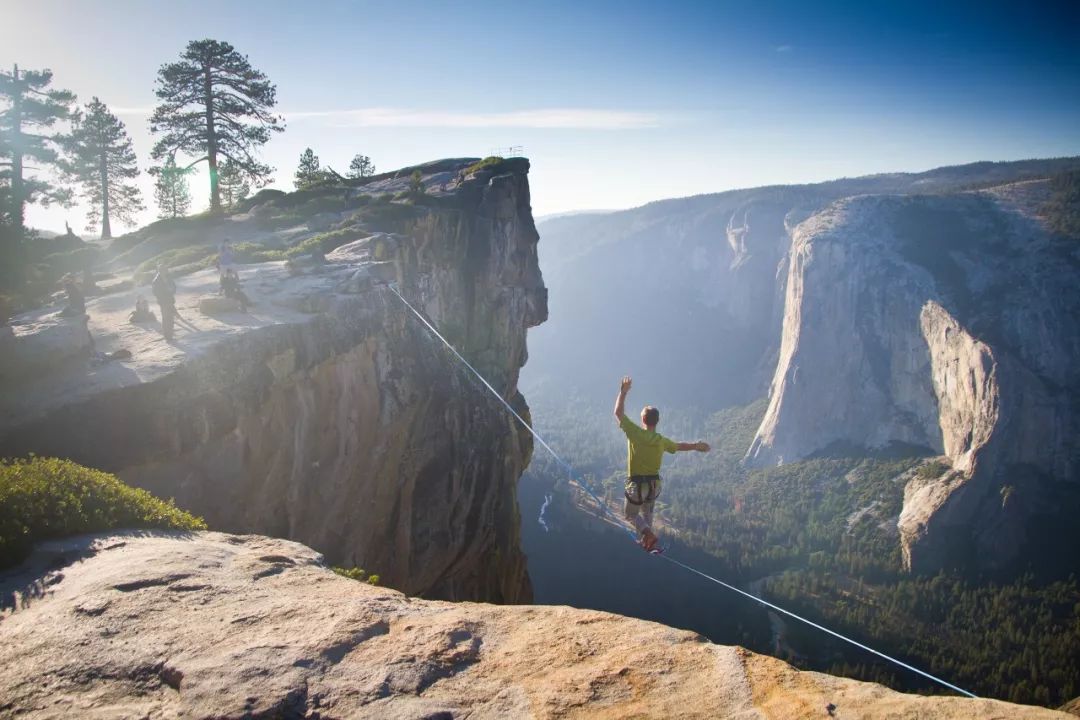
(225, 626)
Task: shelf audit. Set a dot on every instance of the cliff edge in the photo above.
(326, 413)
(213, 625)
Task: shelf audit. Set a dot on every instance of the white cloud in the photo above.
(784, 48)
(548, 118)
(131, 110)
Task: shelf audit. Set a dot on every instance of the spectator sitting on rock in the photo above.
(142, 312)
(230, 287)
(76, 305)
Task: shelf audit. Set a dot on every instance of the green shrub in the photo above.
(277, 222)
(425, 200)
(289, 201)
(490, 161)
(190, 224)
(416, 182)
(358, 574)
(249, 252)
(46, 498)
(190, 258)
(326, 241)
(72, 260)
(931, 470)
(388, 217)
(263, 196)
(324, 203)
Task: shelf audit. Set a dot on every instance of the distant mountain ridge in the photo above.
(697, 298)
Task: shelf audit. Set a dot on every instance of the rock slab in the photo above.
(174, 625)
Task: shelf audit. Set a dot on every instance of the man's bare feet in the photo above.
(648, 540)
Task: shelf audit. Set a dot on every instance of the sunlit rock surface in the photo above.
(213, 625)
(328, 414)
(947, 322)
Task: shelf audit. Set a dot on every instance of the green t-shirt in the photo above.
(644, 448)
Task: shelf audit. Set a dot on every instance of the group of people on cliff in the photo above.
(163, 288)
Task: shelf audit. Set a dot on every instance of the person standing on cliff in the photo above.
(225, 260)
(645, 450)
(164, 288)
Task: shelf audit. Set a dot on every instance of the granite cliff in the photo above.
(930, 310)
(945, 322)
(327, 414)
(225, 626)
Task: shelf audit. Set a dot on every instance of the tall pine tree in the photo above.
(309, 171)
(361, 167)
(30, 109)
(101, 158)
(216, 107)
(171, 189)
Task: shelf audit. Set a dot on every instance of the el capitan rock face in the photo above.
(330, 415)
(945, 322)
(225, 626)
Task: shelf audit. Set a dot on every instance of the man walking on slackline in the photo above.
(645, 450)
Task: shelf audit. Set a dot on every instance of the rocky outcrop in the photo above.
(224, 626)
(943, 322)
(329, 415)
(29, 348)
(843, 375)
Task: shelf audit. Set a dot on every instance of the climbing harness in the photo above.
(661, 554)
(641, 489)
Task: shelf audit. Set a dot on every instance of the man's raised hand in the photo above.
(702, 446)
(624, 387)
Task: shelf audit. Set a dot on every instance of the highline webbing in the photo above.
(665, 556)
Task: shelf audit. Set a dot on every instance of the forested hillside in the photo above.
(821, 534)
(690, 297)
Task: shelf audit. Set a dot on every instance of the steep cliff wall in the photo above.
(944, 322)
(331, 416)
(700, 274)
(215, 625)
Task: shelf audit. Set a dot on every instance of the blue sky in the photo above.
(616, 103)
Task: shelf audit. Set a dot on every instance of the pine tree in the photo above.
(30, 110)
(309, 171)
(216, 107)
(101, 158)
(361, 167)
(416, 183)
(234, 185)
(171, 189)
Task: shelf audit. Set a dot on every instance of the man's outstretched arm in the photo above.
(699, 446)
(620, 401)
